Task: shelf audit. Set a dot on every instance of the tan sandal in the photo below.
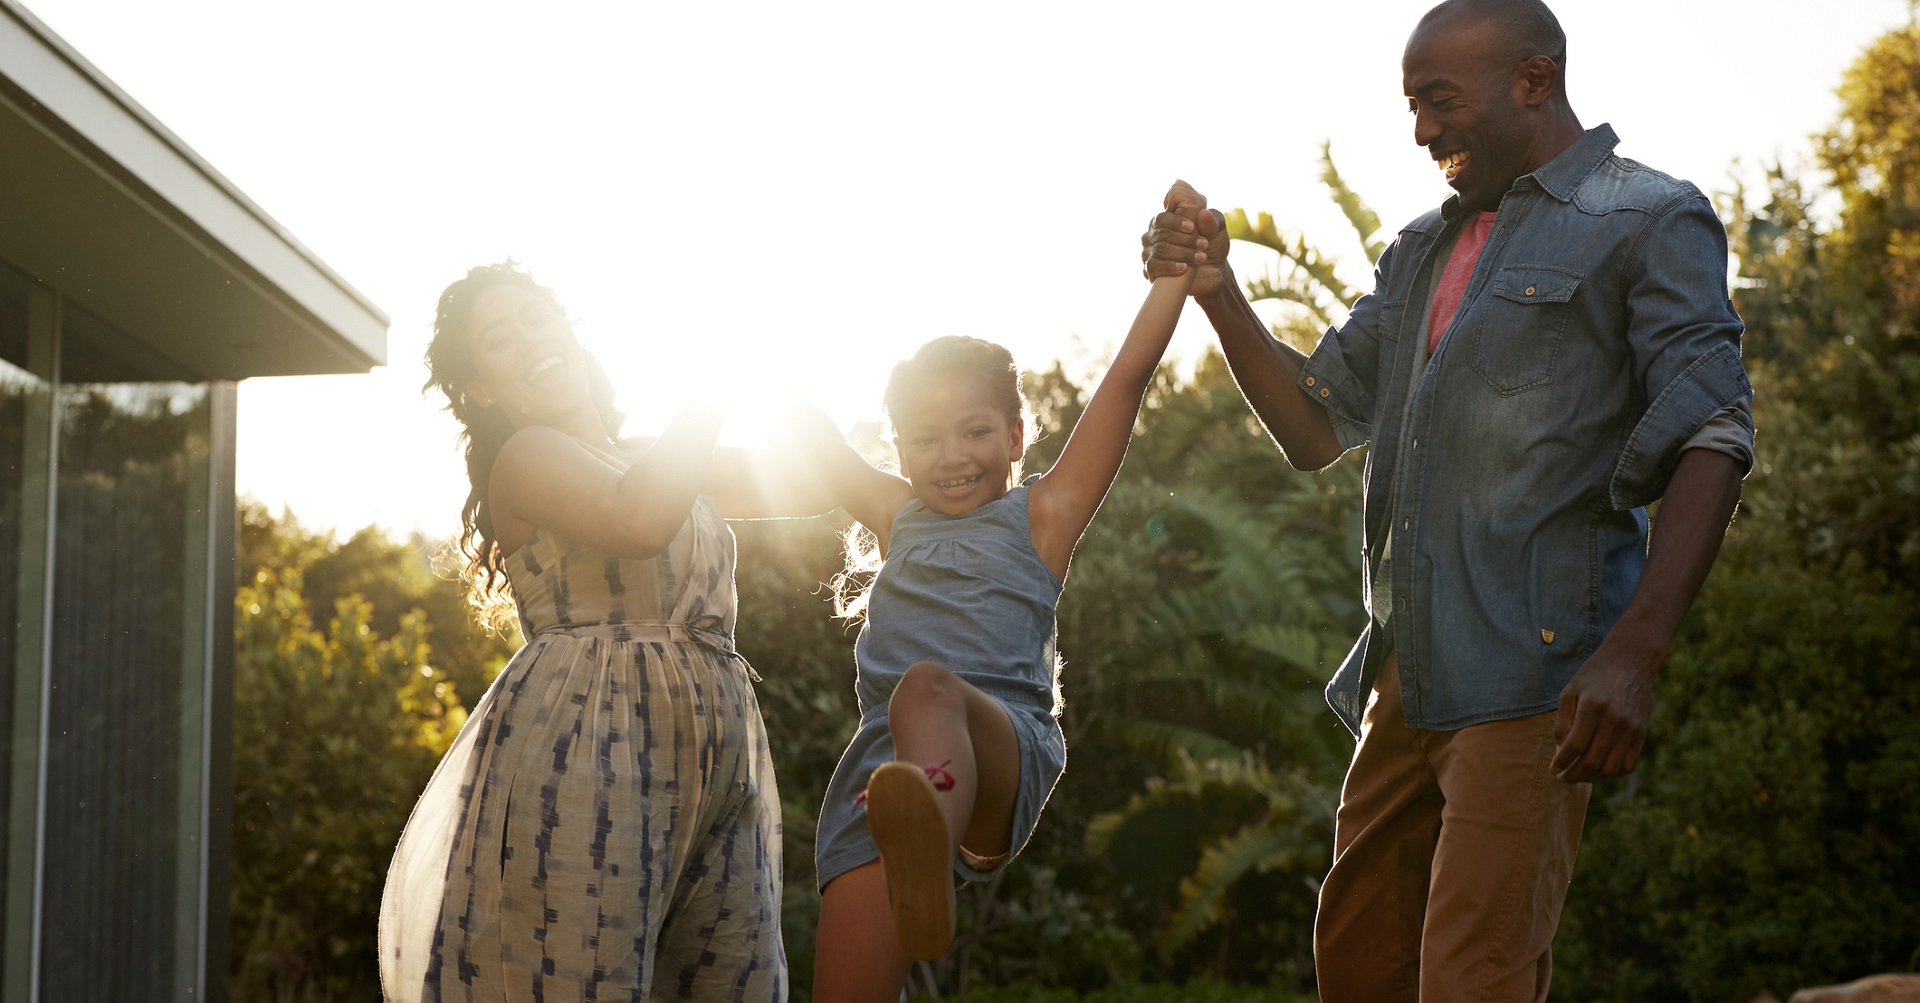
(909, 827)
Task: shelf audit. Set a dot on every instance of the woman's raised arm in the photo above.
(547, 478)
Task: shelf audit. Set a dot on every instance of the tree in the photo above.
(335, 733)
(394, 577)
(346, 693)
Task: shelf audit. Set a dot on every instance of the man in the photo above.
(1548, 352)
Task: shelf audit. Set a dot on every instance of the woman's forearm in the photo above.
(658, 488)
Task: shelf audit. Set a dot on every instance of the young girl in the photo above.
(958, 745)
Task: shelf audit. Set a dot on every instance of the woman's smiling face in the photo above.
(956, 448)
(526, 359)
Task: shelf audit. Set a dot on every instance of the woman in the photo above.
(605, 826)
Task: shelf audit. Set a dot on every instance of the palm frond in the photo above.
(1169, 742)
(1262, 232)
(1104, 827)
(1365, 221)
(1255, 847)
(1292, 247)
(1295, 645)
(1291, 287)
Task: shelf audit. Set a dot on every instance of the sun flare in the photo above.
(763, 378)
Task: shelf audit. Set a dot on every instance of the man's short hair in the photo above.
(1527, 26)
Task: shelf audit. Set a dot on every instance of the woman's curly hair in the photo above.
(483, 430)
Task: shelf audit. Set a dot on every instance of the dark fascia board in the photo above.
(96, 118)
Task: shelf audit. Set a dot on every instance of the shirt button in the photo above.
(1406, 524)
(1324, 391)
(1309, 381)
(1416, 443)
(1529, 290)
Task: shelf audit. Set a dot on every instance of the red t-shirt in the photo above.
(1452, 286)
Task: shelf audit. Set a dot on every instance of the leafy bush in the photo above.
(340, 714)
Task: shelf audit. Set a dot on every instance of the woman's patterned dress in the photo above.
(605, 827)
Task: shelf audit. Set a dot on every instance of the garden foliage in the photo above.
(341, 710)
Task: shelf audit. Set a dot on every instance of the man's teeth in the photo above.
(1451, 163)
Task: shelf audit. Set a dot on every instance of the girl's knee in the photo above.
(926, 687)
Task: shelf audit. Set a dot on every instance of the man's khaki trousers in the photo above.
(1452, 853)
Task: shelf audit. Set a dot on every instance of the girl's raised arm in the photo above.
(1064, 500)
(870, 495)
(765, 484)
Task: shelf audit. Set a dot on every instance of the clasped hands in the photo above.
(1186, 234)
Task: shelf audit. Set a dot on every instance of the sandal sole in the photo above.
(903, 813)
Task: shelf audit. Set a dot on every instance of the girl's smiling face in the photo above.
(956, 448)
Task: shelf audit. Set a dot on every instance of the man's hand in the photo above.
(1186, 235)
(1604, 711)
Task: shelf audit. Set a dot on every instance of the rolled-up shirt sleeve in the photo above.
(1344, 369)
(1729, 431)
(1685, 341)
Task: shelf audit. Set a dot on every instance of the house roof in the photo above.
(104, 204)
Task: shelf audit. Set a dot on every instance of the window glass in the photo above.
(123, 608)
(23, 483)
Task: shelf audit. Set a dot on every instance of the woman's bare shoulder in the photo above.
(537, 460)
(537, 439)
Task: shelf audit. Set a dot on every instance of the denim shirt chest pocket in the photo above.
(1520, 324)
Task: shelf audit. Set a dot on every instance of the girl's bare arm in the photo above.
(1063, 501)
(871, 496)
(765, 484)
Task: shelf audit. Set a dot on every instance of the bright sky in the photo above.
(740, 197)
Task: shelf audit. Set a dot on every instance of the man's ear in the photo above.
(1017, 447)
(901, 455)
(1539, 79)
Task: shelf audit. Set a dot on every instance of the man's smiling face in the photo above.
(1464, 88)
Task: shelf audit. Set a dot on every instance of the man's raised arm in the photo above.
(1265, 368)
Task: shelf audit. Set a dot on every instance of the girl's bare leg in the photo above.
(858, 958)
(938, 719)
(935, 718)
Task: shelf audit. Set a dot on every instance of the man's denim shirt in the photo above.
(1595, 337)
